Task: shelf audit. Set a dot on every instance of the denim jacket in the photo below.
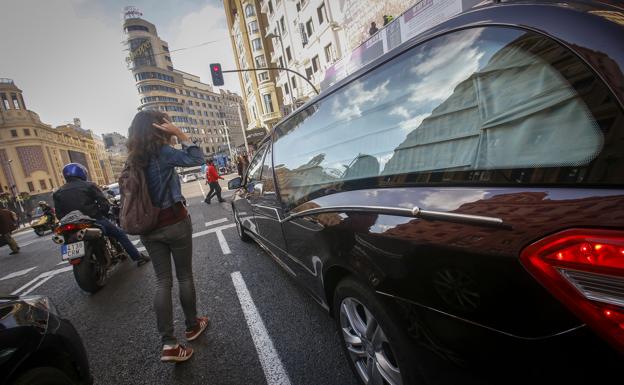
(162, 179)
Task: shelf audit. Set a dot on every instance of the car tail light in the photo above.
(71, 227)
(584, 269)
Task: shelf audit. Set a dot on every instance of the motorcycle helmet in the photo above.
(75, 170)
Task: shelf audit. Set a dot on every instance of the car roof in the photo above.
(552, 19)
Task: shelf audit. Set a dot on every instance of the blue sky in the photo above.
(67, 56)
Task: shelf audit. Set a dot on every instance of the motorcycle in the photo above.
(43, 224)
(88, 250)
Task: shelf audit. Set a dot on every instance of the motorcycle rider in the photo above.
(48, 212)
(79, 194)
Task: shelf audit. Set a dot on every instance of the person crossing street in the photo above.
(8, 223)
(212, 179)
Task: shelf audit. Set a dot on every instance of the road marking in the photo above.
(62, 263)
(41, 277)
(18, 273)
(202, 189)
(223, 243)
(213, 230)
(269, 359)
(217, 221)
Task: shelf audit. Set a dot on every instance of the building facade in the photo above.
(32, 153)
(252, 49)
(209, 118)
(310, 39)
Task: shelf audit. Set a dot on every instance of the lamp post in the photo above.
(285, 59)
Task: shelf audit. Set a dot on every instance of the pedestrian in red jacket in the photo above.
(212, 179)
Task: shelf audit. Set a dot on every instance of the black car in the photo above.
(37, 346)
(458, 204)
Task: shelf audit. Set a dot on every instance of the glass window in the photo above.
(294, 82)
(26, 132)
(268, 104)
(260, 61)
(5, 102)
(268, 183)
(263, 76)
(329, 55)
(13, 133)
(310, 27)
(253, 27)
(256, 44)
(475, 100)
(270, 7)
(320, 11)
(255, 167)
(288, 54)
(249, 10)
(316, 64)
(282, 25)
(31, 186)
(42, 184)
(15, 102)
(136, 28)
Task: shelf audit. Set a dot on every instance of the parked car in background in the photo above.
(188, 178)
(113, 191)
(458, 204)
(37, 346)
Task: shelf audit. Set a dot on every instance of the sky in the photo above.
(67, 56)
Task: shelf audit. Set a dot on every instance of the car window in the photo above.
(255, 167)
(484, 104)
(268, 184)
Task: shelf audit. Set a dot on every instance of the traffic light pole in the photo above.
(277, 68)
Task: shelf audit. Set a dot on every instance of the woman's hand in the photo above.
(171, 129)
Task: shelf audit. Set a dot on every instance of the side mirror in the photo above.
(234, 184)
(258, 188)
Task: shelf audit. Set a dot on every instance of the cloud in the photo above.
(205, 24)
(67, 65)
(350, 104)
(413, 123)
(451, 199)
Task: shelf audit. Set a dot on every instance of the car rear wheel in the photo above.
(239, 228)
(43, 376)
(377, 350)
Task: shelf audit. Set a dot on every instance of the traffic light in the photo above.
(217, 75)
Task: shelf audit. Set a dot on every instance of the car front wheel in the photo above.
(239, 227)
(377, 350)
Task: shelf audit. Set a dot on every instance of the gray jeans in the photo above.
(162, 244)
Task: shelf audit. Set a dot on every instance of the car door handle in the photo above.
(414, 212)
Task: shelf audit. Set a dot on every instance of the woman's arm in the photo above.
(189, 156)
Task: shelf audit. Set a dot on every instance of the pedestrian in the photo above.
(239, 165)
(8, 223)
(387, 19)
(149, 148)
(212, 179)
(373, 29)
(80, 194)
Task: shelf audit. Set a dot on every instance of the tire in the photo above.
(239, 228)
(43, 376)
(88, 273)
(389, 349)
(39, 231)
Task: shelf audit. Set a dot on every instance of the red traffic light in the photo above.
(217, 75)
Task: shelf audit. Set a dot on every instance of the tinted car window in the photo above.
(255, 167)
(479, 105)
(268, 184)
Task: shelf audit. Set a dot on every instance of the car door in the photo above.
(268, 211)
(244, 209)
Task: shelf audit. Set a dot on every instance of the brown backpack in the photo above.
(137, 215)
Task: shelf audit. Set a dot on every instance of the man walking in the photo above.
(8, 223)
(212, 178)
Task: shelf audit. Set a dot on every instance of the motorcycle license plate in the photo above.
(72, 250)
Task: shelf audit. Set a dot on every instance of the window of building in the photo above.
(288, 54)
(329, 53)
(270, 8)
(51, 184)
(42, 184)
(253, 27)
(294, 82)
(26, 132)
(320, 11)
(316, 64)
(281, 61)
(310, 27)
(260, 61)
(256, 44)
(5, 102)
(263, 76)
(15, 102)
(31, 186)
(13, 133)
(309, 72)
(286, 90)
(282, 25)
(165, 48)
(268, 103)
(136, 28)
(249, 10)
(168, 58)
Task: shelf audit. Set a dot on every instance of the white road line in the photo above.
(37, 285)
(18, 273)
(217, 221)
(213, 230)
(274, 371)
(43, 276)
(135, 242)
(223, 243)
(202, 189)
(62, 263)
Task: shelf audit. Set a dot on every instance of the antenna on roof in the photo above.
(132, 12)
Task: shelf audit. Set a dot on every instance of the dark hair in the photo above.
(145, 140)
(210, 161)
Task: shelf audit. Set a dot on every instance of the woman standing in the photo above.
(149, 147)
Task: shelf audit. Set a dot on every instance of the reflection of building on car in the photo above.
(38, 346)
(460, 197)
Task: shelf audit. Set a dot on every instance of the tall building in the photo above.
(32, 153)
(310, 38)
(252, 49)
(113, 139)
(210, 118)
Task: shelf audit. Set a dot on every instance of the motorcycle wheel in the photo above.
(39, 231)
(89, 273)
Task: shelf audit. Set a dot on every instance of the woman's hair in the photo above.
(145, 140)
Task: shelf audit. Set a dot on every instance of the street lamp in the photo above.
(285, 60)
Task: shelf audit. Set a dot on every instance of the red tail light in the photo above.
(584, 269)
(71, 227)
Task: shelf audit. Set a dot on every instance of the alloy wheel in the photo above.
(367, 344)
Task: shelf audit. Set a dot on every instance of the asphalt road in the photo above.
(264, 329)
